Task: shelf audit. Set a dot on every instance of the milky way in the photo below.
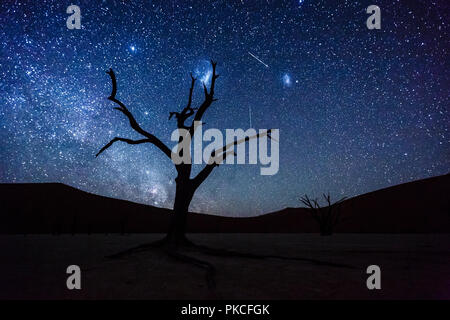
(357, 109)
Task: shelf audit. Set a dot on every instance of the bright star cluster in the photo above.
(357, 109)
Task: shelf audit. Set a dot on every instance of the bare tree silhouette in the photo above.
(185, 185)
(327, 217)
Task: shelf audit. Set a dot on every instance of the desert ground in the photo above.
(413, 266)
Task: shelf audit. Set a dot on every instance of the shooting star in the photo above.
(257, 58)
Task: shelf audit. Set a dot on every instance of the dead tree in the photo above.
(327, 217)
(185, 184)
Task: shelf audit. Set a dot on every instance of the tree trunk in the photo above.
(177, 229)
(326, 229)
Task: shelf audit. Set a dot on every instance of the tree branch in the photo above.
(237, 142)
(313, 207)
(224, 153)
(191, 90)
(187, 111)
(129, 141)
(209, 97)
(122, 108)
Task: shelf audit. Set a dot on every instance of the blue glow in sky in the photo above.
(365, 109)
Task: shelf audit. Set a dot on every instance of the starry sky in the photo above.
(358, 109)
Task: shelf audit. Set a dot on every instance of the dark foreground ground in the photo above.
(412, 267)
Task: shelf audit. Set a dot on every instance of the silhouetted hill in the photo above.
(58, 208)
(419, 206)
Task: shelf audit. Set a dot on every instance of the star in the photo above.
(354, 116)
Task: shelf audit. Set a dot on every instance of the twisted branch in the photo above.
(129, 141)
(332, 214)
(133, 123)
(219, 156)
(209, 98)
(187, 111)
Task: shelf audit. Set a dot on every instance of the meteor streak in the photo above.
(257, 58)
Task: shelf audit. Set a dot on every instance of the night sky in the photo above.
(358, 109)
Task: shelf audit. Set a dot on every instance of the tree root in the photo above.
(210, 269)
(139, 248)
(231, 253)
(173, 251)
